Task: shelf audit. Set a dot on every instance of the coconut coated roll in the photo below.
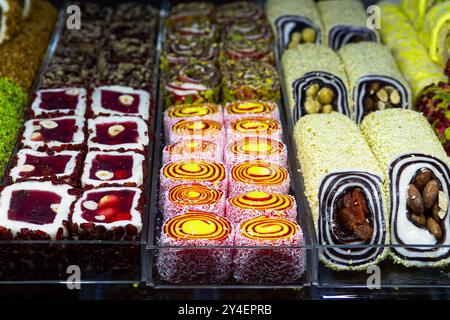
(315, 81)
(418, 179)
(375, 80)
(344, 187)
(345, 21)
(411, 56)
(294, 22)
(435, 33)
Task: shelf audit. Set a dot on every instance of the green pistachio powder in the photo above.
(12, 103)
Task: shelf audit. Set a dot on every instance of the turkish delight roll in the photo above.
(239, 10)
(295, 22)
(256, 148)
(121, 101)
(254, 127)
(315, 81)
(63, 133)
(192, 83)
(59, 102)
(193, 29)
(190, 11)
(248, 108)
(10, 18)
(192, 149)
(257, 50)
(192, 265)
(34, 210)
(113, 213)
(207, 173)
(256, 203)
(249, 80)
(62, 166)
(344, 187)
(375, 80)
(411, 55)
(345, 21)
(181, 51)
(280, 261)
(255, 30)
(196, 111)
(258, 175)
(208, 130)
(418, 182)
(435, 33)
(184, 197)
(113, 168)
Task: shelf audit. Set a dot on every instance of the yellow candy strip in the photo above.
(435, 33)
(411, 55)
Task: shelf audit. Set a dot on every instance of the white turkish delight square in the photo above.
(60, 101)
(37, 206)
(120, 100)
(129, 165)
(23, 164)
(117, 133)
(53, 132)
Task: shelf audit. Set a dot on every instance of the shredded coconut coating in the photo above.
(394, 132)
(328, 143)
(308, 58)
(341, 12)
(304, 8)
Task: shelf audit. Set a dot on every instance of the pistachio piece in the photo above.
(414, 201)
(430, 194)
(312, 106)
(394, 97)
(312, 90)
(72, 92)
(104, 175)
(55, 207)
(126, 99)
(309, 35)
(434, 228)
(115, 130)
(382, 95)
(48, 124)
(36, 136)
(26, 168)
(296, 36)
(381, 105)
(90, 205)
(325, 95)
(328, 108)
(422, 179)
(100, 217)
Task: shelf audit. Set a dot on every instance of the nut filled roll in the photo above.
(417, 179)
(315, 81)
(295, 22)
(345, 21)
(375, 80)
(344, 187)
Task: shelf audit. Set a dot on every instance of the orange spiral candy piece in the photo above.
(258, 200)
(195, 169)
(191, 146)
(259, 172)
(192, 110)
(194, 194)
(256, 125)
(198, 225)
(268, 228)
(250, 107)
(192, 127)
(256, 146)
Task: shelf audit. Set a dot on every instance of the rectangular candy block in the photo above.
(63, 133)
(278, 265)
(119, 101)
(113, 168)
(35, 211)
(192, 149)
(193, 265)
(258, 175)
(40, 166)
(184, 197)
(113, 213)
(58, 102)
(118, 133)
